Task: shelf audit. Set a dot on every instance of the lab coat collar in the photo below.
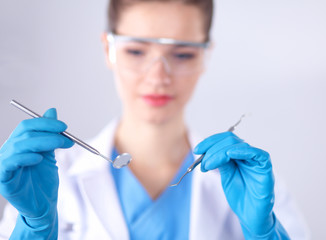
(98, 186)
(206, 219)
(103, 142)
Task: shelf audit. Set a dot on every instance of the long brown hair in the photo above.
(115, 8)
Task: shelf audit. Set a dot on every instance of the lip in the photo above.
(157, 100)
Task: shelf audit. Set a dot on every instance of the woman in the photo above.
(156, 50)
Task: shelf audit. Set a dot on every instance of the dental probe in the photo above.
(199, 160)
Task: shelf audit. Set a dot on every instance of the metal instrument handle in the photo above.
(66, 134)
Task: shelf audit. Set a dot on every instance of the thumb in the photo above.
(51, 113)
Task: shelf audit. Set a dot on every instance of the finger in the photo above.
(226, 142)
(248, 153)
(255, 164)
(8, 165)
(29, 135)
(217, 156)
(251, 158)
(16, 144)
(40, 125)
(207, 143)
(51, 113)
(4, 146)
(45, 143)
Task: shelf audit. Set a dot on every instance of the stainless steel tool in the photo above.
(195, 163)
(119, 162)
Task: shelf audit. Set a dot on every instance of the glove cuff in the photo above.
(276, 232)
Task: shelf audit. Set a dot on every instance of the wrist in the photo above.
(275, 231)
(41, 228)
(47, 219)
(259, 228)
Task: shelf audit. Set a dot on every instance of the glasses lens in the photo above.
(138, 57)
(185, 60)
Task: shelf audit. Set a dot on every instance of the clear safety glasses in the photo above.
(138, 55)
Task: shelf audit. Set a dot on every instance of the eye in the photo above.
(184, 56)
(135, 52)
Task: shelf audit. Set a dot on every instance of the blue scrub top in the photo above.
(166, 217)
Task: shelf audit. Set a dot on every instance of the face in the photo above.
(156, 96)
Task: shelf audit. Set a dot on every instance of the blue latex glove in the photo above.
(29, 175)
(248, 183)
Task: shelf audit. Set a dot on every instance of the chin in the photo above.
(157, 119)
(158, 116)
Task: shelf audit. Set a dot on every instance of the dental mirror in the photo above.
(119, 162)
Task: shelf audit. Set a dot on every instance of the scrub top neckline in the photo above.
(166, 217)
(188, 160)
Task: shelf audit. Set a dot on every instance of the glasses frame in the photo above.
(112, 38)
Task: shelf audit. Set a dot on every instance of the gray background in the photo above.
(269, 60)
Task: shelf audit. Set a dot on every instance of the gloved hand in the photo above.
(29, 175)
(247, 181)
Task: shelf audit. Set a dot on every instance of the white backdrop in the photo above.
(269, 60)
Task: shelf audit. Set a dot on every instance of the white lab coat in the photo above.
(89, 208)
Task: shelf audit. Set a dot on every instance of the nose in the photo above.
(159, 72)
